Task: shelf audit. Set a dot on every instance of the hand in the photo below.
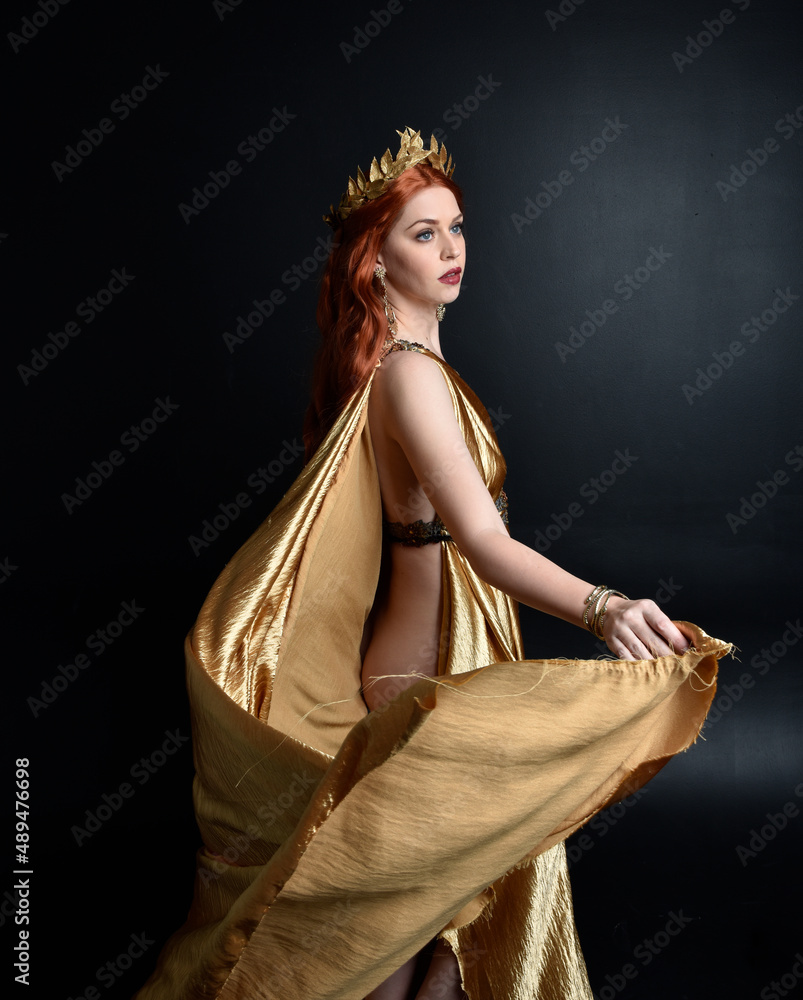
(639, 630)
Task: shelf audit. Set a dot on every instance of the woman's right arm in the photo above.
(416, 408)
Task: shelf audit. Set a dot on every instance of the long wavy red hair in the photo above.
(350, 315)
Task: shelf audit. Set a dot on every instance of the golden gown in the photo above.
(338, 842)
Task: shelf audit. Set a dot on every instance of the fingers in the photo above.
(687, 634)
(639, 630)
(674, 640)
(633, 649)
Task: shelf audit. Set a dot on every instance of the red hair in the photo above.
(350, 315)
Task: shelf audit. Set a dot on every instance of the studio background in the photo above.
(630, 316)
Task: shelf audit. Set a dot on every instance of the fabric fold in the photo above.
(337, 842)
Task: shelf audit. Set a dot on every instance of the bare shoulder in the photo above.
(409, 373)
(412, 397)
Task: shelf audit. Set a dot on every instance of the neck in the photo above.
(421, 328)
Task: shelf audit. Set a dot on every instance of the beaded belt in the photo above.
(424, 532)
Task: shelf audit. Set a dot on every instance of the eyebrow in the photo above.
(433, 222)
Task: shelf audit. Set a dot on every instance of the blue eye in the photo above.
(427, 235)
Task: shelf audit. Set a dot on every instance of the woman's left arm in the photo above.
(417, 409)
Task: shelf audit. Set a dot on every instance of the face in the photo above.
(425, 253)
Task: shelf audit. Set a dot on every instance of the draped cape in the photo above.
(338, 842)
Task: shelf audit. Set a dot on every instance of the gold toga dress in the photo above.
(338, 842)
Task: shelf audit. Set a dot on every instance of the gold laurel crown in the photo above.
(411, 152)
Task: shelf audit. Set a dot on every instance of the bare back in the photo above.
(407, 617)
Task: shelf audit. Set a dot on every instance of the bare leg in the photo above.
(397, 985)
(401, 985)
(442, 981)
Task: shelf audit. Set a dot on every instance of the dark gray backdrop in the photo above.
(630, 316)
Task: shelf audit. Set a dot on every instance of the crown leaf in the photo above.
(380, 174)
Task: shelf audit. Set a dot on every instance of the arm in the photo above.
(415, 399)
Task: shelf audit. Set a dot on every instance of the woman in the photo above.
(350, 853)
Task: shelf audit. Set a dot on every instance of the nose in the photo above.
(451, 246)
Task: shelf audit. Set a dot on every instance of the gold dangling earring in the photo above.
(440, 311)
(380, 272)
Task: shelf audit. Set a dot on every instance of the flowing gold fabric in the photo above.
(337, 841)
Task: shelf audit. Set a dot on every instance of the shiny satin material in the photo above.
(337, 841)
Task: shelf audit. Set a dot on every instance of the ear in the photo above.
(379, 261)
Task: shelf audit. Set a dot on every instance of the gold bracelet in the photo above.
(595, 616)
(589, 601)
(599, 598)
(600, 621)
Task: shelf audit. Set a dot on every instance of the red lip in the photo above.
(451, 277)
